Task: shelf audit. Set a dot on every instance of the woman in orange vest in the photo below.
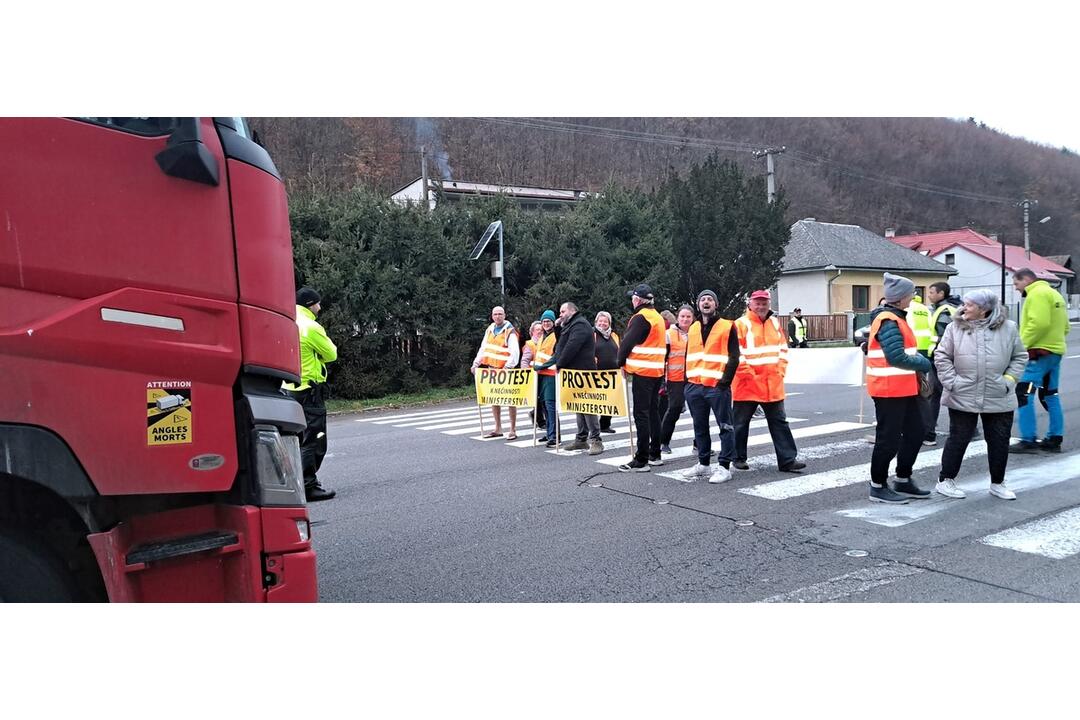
(712, 354)
(759, 381)
(499, 349)
(892, 366)
(676, 375)
(546, 377)
(642, 355)
(528, 352)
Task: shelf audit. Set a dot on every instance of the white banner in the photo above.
(823, 366)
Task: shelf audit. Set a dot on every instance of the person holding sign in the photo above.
(528, 352)
(642, 355)
(759, 381)
(712, 355)
(607, 354)
(546, 394)
(498, 350)
(576, 350)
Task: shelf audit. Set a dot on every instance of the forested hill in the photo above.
(914, 174)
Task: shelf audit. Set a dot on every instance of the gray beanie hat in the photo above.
(710, 293)
(985, 299)
(897, 287)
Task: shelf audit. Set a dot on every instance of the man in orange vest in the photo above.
(712, 354)
(892, 364)
(641, 354)
(759, 381)
(499, 349)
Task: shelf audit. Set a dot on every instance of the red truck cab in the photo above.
(146, 325)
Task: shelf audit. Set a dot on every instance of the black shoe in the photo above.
(885, 495)
(908, 488)
(607, 430)
(741, 465)
(1052, 443)
(794, 466)
(634, 466)
(550, 444)
(317, 493)
(1024, 447)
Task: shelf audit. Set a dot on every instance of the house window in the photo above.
(920, 291)
(860, 298)
(950, 258)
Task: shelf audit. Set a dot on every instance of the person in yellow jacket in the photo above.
(1044, 323)
(316, 350)
(759, 381)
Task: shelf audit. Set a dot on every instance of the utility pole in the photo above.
(423, 175)
(769, 168)
(1027, 205)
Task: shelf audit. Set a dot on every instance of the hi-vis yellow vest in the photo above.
(918, 317)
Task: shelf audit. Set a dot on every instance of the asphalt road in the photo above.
(426, 516)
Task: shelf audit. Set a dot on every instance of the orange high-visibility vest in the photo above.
(533, 348)
(882, 379)
(676, 357)
(495, 351)
(647, 358)
(705, 364)
(763, 352)
(544, 353)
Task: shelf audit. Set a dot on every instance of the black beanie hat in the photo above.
(307, 297)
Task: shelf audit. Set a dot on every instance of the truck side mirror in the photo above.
(186, 157)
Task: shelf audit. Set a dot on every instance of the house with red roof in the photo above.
(978, 260)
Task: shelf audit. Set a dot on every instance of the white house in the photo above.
(977, 259)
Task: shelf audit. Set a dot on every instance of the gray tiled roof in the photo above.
(818, 245)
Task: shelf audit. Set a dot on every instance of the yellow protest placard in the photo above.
(511, 387)
(592, 392)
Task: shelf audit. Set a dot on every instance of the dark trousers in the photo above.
(605, 422)
(783, 442)
(702, 400)
(934, 405)
(899, 435)
(588, 427)
(676, 403)
(645, 391)
(997, 427)
(313, 440)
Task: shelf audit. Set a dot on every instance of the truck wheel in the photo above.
(31, 572)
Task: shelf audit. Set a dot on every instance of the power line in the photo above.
(689, 141)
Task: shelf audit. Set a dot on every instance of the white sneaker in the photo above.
(999, 490)
(720, 474)
(948, 489)
(696, 472)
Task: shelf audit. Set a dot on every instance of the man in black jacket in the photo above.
(576, 350)
(942, 306)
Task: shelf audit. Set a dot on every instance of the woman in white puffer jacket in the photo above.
(978, 361)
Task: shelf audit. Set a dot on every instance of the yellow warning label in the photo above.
(168, 413)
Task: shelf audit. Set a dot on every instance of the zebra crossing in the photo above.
(1056, 536)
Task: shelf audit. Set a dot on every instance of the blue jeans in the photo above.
(700, 400)
(1044, 372)
(552, 418)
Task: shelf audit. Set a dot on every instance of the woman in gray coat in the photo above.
(978, 361)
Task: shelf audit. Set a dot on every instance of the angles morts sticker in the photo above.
(168, 412)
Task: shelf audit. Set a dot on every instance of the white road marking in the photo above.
(763, 439)
(844, 586)
(688, 434)
(379, 419)
(1057, 536)
(467, 415)
(840, 477)
(768, 461)
(1031, 477)
(489, 424)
